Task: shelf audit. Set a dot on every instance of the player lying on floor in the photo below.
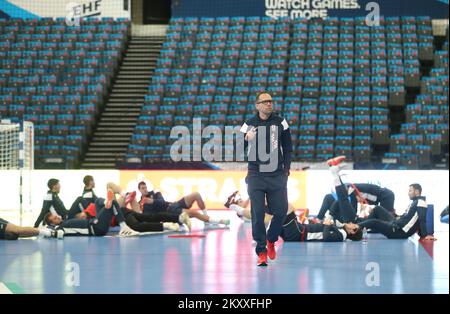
(98, 226)
(151, 222)
(9, 231)
(154, 202)
(328, 231)
(242, 208)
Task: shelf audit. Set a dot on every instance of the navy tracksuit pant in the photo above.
(344, 212)
(274, 190)
(328, 204)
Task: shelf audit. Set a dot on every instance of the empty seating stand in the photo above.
(424, 135)
(57, 76)
(334, 80)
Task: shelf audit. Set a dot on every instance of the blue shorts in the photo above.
(177, 207)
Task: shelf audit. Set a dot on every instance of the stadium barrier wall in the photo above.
(310, 8)
(62, 8)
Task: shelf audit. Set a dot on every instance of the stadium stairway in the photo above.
(119, 117)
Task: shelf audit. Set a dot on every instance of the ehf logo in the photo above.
(76, 11)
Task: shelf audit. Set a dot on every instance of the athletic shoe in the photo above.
(315, 220)
(109, 199)
(335, 161)
(90, 211)
(303, 216)
(130, 197)
(225, 222)
(127, 232)
(262, 259)
(186, 220)
(171, 226)
(230, 199)
(11, 236)
(238, 210)
(271, 250)
(58, 234)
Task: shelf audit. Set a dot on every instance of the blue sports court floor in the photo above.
(222, 262)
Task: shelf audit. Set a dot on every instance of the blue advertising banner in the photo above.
(309, 8)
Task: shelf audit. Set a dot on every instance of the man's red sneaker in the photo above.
(262, 259)
(130, 197)
(315, 221)
(335, 161)
(230, 199)
(109, 199)
(271, 250)
(303, 215)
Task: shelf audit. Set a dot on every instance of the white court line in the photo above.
(139, 234)
(4, 289)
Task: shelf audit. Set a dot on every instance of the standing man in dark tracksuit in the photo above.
(268, 139)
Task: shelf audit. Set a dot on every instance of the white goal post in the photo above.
(16, 145)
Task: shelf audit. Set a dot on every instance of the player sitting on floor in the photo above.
(404, 226)
(79, 208)
(52, 203)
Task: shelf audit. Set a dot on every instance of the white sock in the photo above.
(168, 225)
(335, 173)
(214, 220)
(205, 212)
(123, 224)
(45, 232)
(180, 219)
(238, 209)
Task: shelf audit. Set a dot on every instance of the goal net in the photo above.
(16, 145)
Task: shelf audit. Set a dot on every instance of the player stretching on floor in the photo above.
(329, 231)
(242, 208)
(153, 202)
(9, 231)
